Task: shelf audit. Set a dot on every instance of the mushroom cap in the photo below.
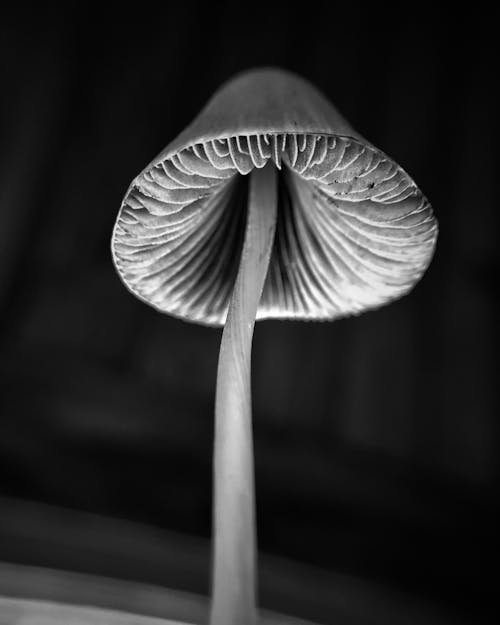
(353, 233)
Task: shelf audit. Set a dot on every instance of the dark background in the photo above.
(376, 437)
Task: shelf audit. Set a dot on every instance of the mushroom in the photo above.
(269, 205)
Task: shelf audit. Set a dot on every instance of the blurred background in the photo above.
(376, 437)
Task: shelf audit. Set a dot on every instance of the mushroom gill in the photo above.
(353, 230)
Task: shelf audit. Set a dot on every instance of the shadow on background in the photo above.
(376, 437)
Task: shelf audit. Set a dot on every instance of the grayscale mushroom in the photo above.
(269, 205)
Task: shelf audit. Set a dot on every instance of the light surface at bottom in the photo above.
(44, 596)
(30, 612)
(14, 611)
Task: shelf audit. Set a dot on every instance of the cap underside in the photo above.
(353, 231)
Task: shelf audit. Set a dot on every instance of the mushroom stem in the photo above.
(234, 558)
